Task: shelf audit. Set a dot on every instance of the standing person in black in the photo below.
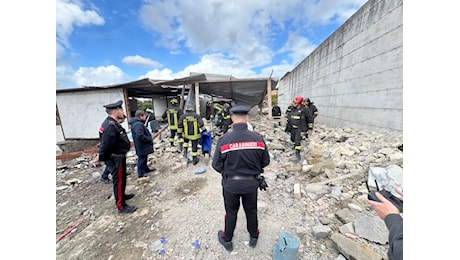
(311, 106)
(143, 142)
(105, 174)
(173, 113)
(190, 126)
(114, 146)
(240, 157)
(300, 121)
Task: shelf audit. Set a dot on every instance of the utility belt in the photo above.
(241, 177)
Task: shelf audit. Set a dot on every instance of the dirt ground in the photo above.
(179, 213)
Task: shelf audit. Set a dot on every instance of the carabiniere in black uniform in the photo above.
(112, 150)
(240, 157)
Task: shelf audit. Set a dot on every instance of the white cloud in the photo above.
(164, 74)
(137, 60)
(212, 63)
(243, 30)
(108, 75)
(69, 14)
(233, 37)
(299, 47)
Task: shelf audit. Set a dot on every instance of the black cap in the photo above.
(240, 110)
(114, 105)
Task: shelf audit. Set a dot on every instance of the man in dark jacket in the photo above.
(311, 106)
(240, 157)
(114, 144)
(143, 142)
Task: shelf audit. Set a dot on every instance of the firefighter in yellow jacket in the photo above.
(191, 125)
(173, 113)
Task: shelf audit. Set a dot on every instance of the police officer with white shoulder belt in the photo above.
(240, 157)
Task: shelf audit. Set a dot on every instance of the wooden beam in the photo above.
(197, 98)
(269, 93)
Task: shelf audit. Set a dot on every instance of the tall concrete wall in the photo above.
(355, 77)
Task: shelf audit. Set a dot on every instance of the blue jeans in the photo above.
(142, 165)
(105, 174)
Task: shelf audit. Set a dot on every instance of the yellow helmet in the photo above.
(173, 101)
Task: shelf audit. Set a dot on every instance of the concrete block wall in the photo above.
(355, 77)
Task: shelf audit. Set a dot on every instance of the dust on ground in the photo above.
(179, 213)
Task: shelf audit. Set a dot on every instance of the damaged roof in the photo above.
(249, 90)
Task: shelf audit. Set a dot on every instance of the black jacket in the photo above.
(240, 153)
(142, 137)
(173, 113)
(394, 224)
(113, 139)
(276, 111)
(300, 118)
(191, 125)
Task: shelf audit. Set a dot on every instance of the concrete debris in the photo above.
(329, 184)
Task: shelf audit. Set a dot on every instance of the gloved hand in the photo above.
(262, 183)
(304, 135)
(118, 159)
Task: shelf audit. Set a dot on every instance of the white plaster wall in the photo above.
(82, 113)
(355, 77)
(159, 106)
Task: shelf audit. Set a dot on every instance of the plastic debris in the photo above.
(200, 171)
(157, 246)
(196, 244)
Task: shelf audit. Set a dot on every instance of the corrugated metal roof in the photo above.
(250, 91)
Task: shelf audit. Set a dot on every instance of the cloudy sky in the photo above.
(102, 43)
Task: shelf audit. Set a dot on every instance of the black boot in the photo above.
(195, 160)
(297, 156)
(180, 146)
(227, 245)
(185, 152)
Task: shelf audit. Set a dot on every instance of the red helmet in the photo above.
(298, 100)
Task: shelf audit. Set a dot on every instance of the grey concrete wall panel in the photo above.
(355, 77)
(81, 117)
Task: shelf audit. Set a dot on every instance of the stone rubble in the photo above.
(328, 184)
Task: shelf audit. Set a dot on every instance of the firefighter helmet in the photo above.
(298, 100)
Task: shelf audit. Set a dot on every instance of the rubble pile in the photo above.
(322, 200)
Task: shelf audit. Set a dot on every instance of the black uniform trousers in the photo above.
(232, 204)
(172, 135)
(296, 138)
(194, 145)
(226, 125)
(119, 182)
